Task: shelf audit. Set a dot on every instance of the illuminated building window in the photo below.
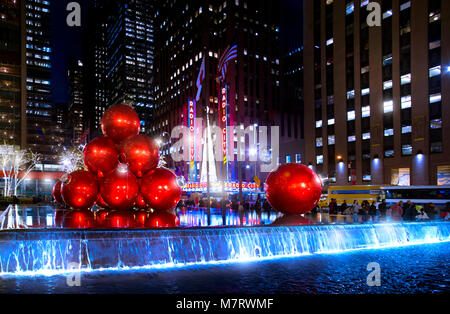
(365, 111)
(331, 139)
(388, 106)
(319, 142)
(319, 159)
(406, 102)
(319, 124)
(351, 115)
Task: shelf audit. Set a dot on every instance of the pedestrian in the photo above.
(397, 211)
(382, 209)
(355, 209)
(372, 211)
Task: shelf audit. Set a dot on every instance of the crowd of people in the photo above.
(258, 205)
(400, 211)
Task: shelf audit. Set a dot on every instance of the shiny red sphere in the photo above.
(120, 122)
(141, 153)
(80, 219)
(293, 189)
(160, 190)
(120, 219)
(120, 189)
(57, 192)
(101, 156)
(162, 220)
(140, 218)
(80, 191)
(140, 203)
(100, 217)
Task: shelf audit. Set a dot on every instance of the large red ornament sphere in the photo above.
(120, 122)
(80, 191)
(57, 192)
(100, 202)
(160, 190)
(80, 219)
(120, 219)
(291, 220)
(141, 153)
(101, 156)
(162, 220)
(293, 189)
(120, 189)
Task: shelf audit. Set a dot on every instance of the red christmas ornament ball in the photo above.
(293, 189)
(100, 202)
(80, 191)
(141, 153)
(120, 122)
(79, 219)
(120, 189)
(120, 219)
(140, 218)
(101, 156)
(162, 220)
(57, 192)
(291, 220)
(140, 203)
(160, 190)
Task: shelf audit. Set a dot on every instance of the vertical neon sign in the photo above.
(191, 126)
(223, 121)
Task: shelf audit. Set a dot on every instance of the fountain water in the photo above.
(52, 251)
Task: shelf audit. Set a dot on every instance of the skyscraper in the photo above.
(12, 73)
(123, 54)
(375, 96)
(43, 135)
(76, 108)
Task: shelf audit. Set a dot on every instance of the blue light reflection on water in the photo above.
(413, 269)
(51, 251)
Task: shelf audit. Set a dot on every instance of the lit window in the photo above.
(388, 106)
(436, 124)
(387, 14)
(351, 94)
(319, 159)
(365, 111)
(288, 159)
(365, 91)
(406, 129)
(405, 79)
(406, 149)
(319, 124)
(298, 158)
(435, 71)
(387, 85)
(330, 41)
(330, 121)
(406, 102)
(388, 132)
(351, 115)
(349, 8)
(331, 139)
(389, 153)
(366, 136)
(435, 98)
(351, 138)
(319, 142)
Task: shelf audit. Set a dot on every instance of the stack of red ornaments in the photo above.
(122, 176)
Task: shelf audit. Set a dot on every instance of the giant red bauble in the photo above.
(140, 218)
(100, 202)
(141, 153)
(120, 122)
(57, 192)
(120, 189)
(80, 219)
(80, 190)
(160, 190)
(100, 217)
(161, 220)
(101, 156)
(140, 203)
(293, 189)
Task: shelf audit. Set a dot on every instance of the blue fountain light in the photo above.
(49, 252)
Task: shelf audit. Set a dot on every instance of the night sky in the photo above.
(67, 41)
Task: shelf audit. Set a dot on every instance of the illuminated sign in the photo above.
(228, 186)
(223, 120)
(191, 125)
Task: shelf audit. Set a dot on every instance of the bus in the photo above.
(420, 195)
(351, 193)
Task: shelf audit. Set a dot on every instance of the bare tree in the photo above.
(15, 165)
(72, 160)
